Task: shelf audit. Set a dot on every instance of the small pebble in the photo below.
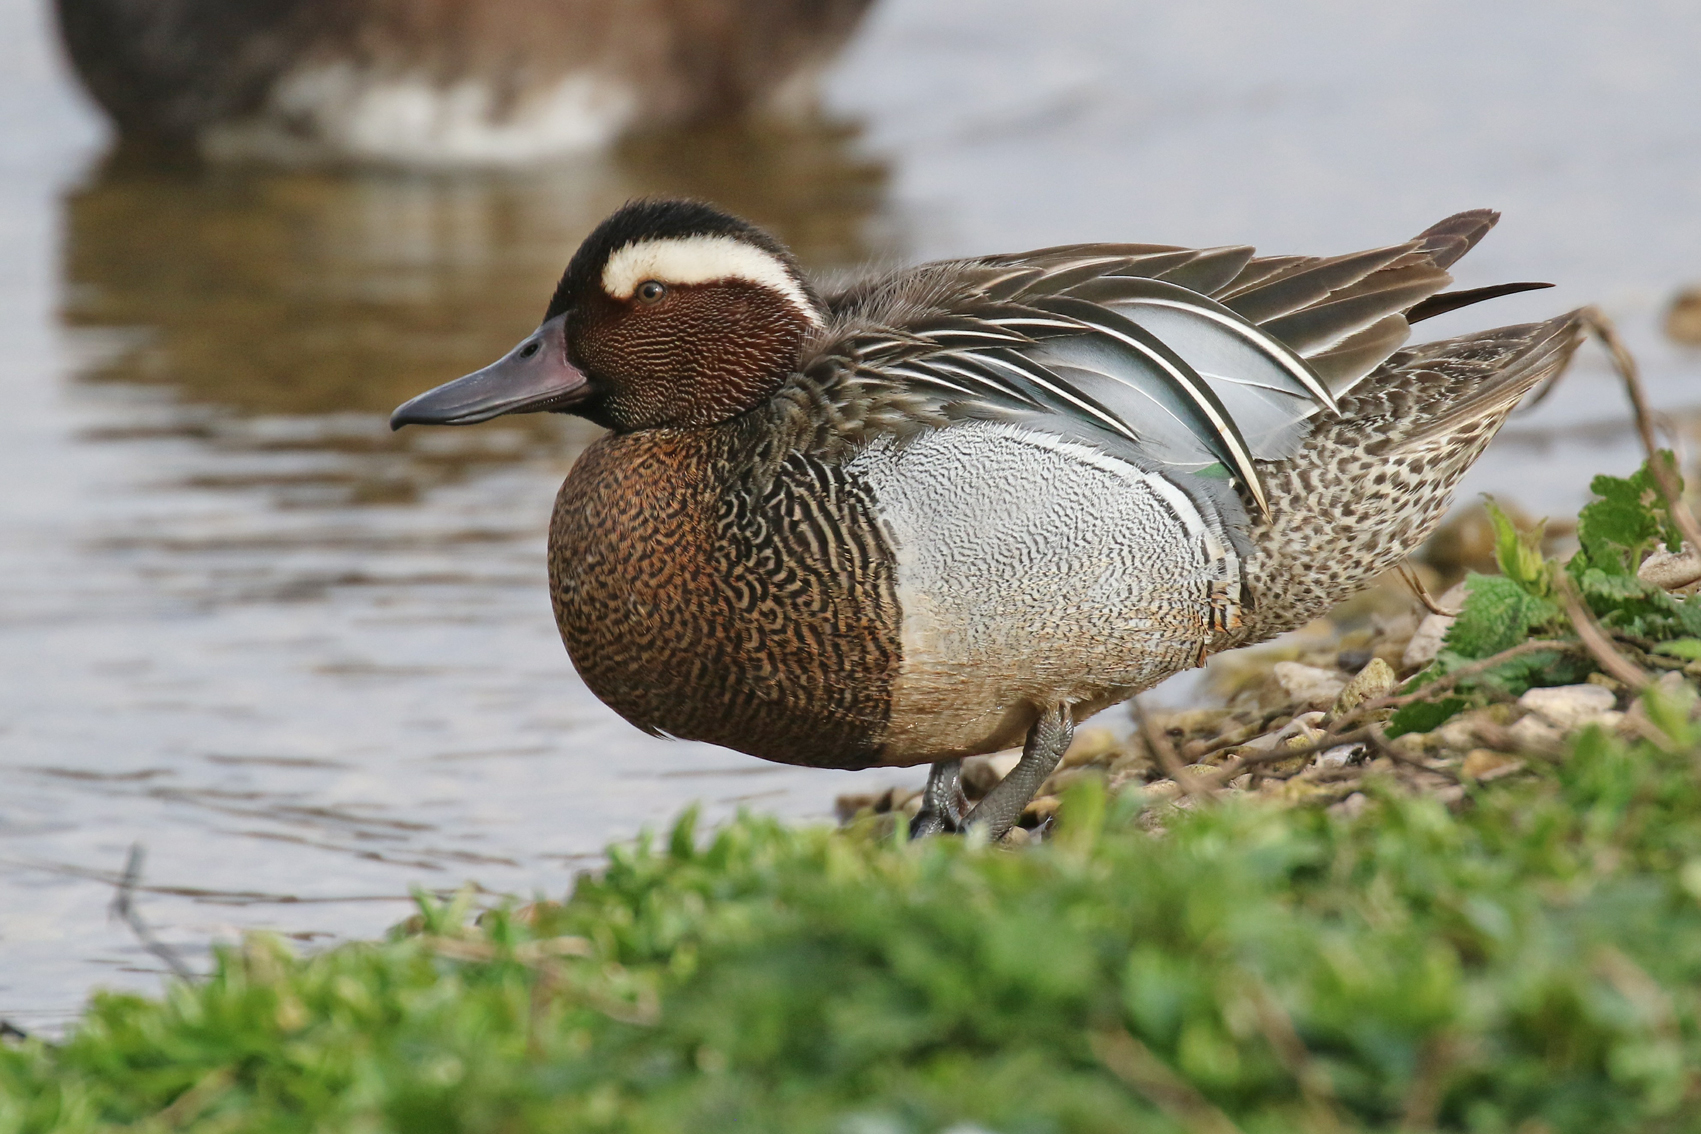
(1568, 706)
(1485, 764)
(1351, 807)
(1090, 746)
(1432, 631)
(1308, 684)
(1532, 732)
(1306, 726)
(1376, 679)
(1460, 732)
(1338, 757)
(982, 773)
(1355, 659)
(1162, 791)
(1041, 808)
(1671, 570)
(1683, 317)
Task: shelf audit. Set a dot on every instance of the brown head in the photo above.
(670, 313)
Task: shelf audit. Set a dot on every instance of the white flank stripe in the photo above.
(702, 259)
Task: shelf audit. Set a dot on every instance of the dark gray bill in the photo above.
(533, 376)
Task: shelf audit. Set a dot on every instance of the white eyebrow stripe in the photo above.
(702, 259)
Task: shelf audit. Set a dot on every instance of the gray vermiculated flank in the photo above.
(1032, 570)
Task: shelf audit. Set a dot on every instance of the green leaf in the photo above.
(1518, 553)
(1424, 716)
(1630, 516)
(1669, 711)
(1498, 614)
(1687, 648)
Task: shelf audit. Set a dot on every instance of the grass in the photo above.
(1528, 961)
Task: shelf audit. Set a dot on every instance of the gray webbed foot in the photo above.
(1046, 742)
(942, 801)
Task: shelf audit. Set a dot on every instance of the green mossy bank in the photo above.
(1529, 961)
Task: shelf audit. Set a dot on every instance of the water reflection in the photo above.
(300, 292)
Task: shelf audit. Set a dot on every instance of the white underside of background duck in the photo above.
(337, 109)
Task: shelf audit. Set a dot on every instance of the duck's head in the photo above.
(670, 313)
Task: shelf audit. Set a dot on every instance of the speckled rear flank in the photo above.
(708, 594)
(1368, 487)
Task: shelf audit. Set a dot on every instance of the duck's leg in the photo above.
(1045, 745)
(942, 801)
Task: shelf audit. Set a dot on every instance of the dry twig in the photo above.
(123, 906)
(1284, 1040)
(191, 1104)
(1135, 1064)
(1429, 1085)
(1595, 639)
(1445, 684)
(1409, 761)
(1167, 758)
(1240, 764)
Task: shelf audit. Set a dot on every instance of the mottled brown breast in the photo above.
(708, 595)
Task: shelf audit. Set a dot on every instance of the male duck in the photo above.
(975, 501)
(439, 82)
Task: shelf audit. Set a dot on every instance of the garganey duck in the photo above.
(964, 505)
(440, 82)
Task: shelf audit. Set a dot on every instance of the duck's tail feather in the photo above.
(1447, 240)
(1346, 314)
(1453, 300)
(1480, 378)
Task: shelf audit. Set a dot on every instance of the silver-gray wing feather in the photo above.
(1173, 358)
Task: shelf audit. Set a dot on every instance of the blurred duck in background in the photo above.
(442, 82)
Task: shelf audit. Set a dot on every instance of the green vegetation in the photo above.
(1534, 957)
(1524, 958)
(1614, 533)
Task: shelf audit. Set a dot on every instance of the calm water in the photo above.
(310, 664)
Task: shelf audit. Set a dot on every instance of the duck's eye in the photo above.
(651, 291)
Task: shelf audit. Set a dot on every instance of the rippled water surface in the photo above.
(310, 664)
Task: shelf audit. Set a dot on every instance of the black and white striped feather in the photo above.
(1176, 358)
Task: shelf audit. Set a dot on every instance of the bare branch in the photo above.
(1284, 1040)
(1613, 663)
(1239, 764)
(1409, 761)
(1446, 683)
(1165, 752)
